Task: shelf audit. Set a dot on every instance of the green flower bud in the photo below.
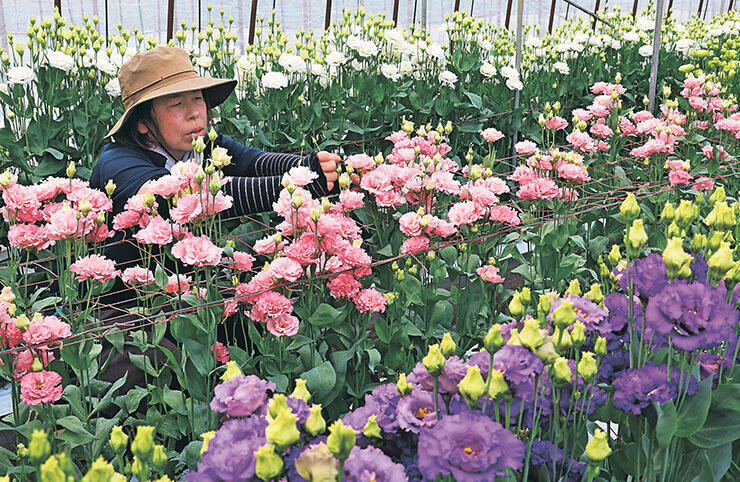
(530, 336)
(516, 308)
(498, 386)
(118, 439)
(447, 346)
(685, 213)
(212, 135)
(159, 458)
(525, 295)
(578, 334)
(614, 255)
(721, 261)
(39, 447)
(283, 431)
(597, 449)
(472, 386)
(587, 367)
(560, 373)
(676, 260)
(301, 391)
(372, 429)
(317, 463)
(718, 195)
(434, 361)
(403, 387)
(600, 346)
(143, 444)
(629, 208)
(139, 468)
(698, 242)
(595, 294)
(215, 185)
(232, 371)
(315, 423)
(493, 339)
(71, 170)
(341, 439)
(546, 352)
(564, 315)
(636, 238)
(51, 471)
(574, 288)
(668, 213)
(100, 470)
(269, 464)
(674, 231)
(714, 240)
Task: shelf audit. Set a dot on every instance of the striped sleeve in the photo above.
(252, 194)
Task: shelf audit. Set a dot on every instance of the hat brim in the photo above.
(215, 91)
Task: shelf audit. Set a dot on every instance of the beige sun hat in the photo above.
(164, 71)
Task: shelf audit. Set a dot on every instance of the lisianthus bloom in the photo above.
(526, 148)
(178, 284)
(454, 372)
(197, 251)
(370, 300)
(48, 328)
(283, 325)
(241, 396)
(491, 134)
(587, 312)
(344, 285)
(636, 388)
(222, 353)
(490, 274)
(417, 410)
(370, 463)
(230, 454)
(41, 387)
(417, 244)
(29, 236)
(469, 447)
(539, 188)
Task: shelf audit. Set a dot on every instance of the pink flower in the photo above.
(284, 325)
(582, 115)
(539, 188)
(504, 214)
(626, 127)
(303, 251)
(285, 268)
(64, 224)
(572, 172)
(698, 103)
(41, 387)
(525, 148)
(556, 123)
(300, 176)
(222, 353)
(370, 300)
(197, 251)
(94, 266)
(21, 202)
(601, 130)
(178, 285)
(344, 285)
(600, 88)
(410, 224)
(417, 244)
(48, 329)
(272, 304)
(490, 274)
(598, 110)
(582, 141)
(704, 184)
(266, 246)
(355, 257)
(523, 175)
(165, 186)
(351, 200)
(24, 361)
(465, 213)
(158, 231)
(190, 207)
(679, 177)
(137, 275)
(129, 219)
(242, 261)
(29, 236)
(708, 151)
(360, 162)
(445, 182)
(491, 134)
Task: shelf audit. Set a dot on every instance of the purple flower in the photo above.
(649, 275)
(618, 308)
(230, 454)
(636, 388)
(240, 396)
(592, 397)
(694, 315)
(542, 456)
(357, 418)
(386, 399)
(587, 312)
(699, 268)
(372, 464)
(483, 360)
(519, 366)
(455, 370)
(417, 410)
(468, 446)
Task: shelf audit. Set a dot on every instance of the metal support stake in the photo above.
(424, 13)
(552, 16)
(327, 17)
(518, 62)
(170, 18)
(395, 13)
(656, 53)
(252, 21)
(596, 13)
(634, 9)
(701, 4)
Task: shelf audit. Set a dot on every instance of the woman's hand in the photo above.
(329, 162)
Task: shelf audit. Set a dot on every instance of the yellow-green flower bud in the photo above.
(721, 261)
(315, 423)
(498, 386)
(143, 444)
(674, 231)
(39, 447)
(269, 464)
(212, 134)
(118, 439)
(100, 470)
(21, 450)
(215, 185)
(283, 431)
(22, 322)
(317, 463)
(614, 255)
(404, 388)
(546, 352)
(434, 361)
(600, 346)
(341, 439)
(159, 458)
(676, 260)
(637, 238)
(516, 308)
(71, 169)
(685, 213)
(277, 404)
(718, 195)
(597, 449)
(629, 208)
(587, 366)
(232, 371)
(493, 339)
(668, 214)
(525, 295)
(206, 436)
(530, 336)
(447, 346)
(560, 373)
(110, 187)
(372, 429)
(698, 242)
(574, 288)
(595, 294)
(714, 240)
(578, 334)
(564, 315)
(36, 366)
(139, 467)
(51, 471)
(472, 386)
(199, 145)
(301, 391)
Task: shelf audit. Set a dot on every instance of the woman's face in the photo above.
(179, 118)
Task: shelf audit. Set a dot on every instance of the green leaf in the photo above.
(694, 409)
(726, 397)
(106, 400)
(320, 380)
(75, 433)
(441, 314)
(200, 356)
(665, 427)
(411, 287)
(134, 397)
(475, 99)
(382, 330)
(175, 400)
(325, 315)
(374, 358)
(720, 428)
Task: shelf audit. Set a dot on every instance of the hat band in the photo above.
(171, 78)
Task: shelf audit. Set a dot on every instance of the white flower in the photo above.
(246, 63)
(20, 75)
(509, 72)
(561, 67)
(60, 60)
(514, 84)
(485, 44)
(645, 23)
(645, 50)
(113, 87)
(683, 45)
(204, 61)
(318, 70)
(4, 88)
(631, 36)
(581, 38)
(616, 44)
(390, 71)
(488, 70)
(335, 58)
(595, 41)
(367, 49)
(448, 78)
(292, 63)
(354, 42)
(435, 50)
(393, 36)
(357, 65)
(406, 67)
(105, 65)
(274, 80)
(533, 42)
(564, 47)
(577, 47)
